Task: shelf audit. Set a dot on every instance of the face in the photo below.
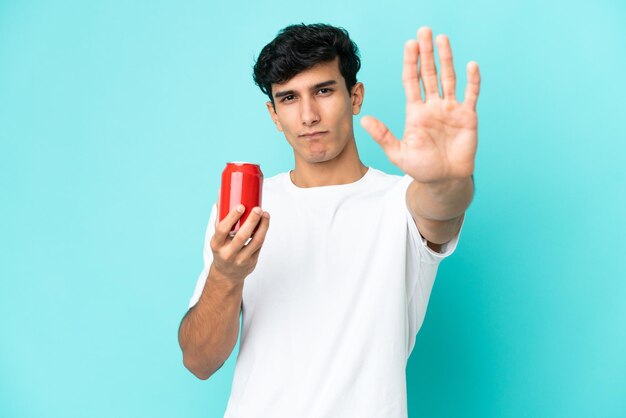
(314, 110)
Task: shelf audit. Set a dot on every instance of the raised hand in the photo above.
(440, 134)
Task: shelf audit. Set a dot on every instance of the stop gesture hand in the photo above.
(441, 134)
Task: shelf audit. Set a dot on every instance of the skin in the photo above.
(209, 331)
(440, 138)
(331, 158)
(437, 150)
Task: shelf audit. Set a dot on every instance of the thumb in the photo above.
(382, 135)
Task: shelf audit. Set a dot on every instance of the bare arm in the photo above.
(438, 209)
(208, 332)
(440, 138)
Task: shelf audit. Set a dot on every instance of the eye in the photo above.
(288, 98)
(325, 90)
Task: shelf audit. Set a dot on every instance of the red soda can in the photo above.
(241, 183)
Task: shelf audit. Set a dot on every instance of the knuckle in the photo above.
(253, 246)
(237, 241)
(260, 235)
(226, 255)
(429, 71)
(253, 219)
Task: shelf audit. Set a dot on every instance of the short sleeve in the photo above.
(427, 254)
(422, 263)
(207, 256)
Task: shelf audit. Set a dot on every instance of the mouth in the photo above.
(313, 135)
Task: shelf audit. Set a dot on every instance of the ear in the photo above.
(358, 92)
(274, 116)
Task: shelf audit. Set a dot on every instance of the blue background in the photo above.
(116, 120)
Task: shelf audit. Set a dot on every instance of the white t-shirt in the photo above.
(332, 309)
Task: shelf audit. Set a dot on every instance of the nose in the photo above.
(309, 112)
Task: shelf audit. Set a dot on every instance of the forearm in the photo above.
(438, 209)
(445, 201)
(209, 331)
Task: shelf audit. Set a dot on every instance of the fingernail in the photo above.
(241, 208)
(258, 211)
(266, 215)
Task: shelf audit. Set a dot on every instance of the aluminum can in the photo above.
(241, 183)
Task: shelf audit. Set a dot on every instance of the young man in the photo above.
(332, 305)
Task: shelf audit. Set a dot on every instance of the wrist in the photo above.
(225, 281)
(443, 185)
(442, 200)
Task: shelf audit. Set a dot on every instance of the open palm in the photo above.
(441, 135)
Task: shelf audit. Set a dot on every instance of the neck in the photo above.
(344, 169)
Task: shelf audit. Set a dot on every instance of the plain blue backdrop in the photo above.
(116, 120)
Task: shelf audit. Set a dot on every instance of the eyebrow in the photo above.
(280, 94)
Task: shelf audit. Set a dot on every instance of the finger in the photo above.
(258, 238)
(383, 136)
(224, 227)
(448, 78)
(245, 231)
(473, 85)
(409, 72)
(428, 71)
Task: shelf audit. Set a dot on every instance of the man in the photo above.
(332, 305)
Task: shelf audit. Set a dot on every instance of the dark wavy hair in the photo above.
(297, 48)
